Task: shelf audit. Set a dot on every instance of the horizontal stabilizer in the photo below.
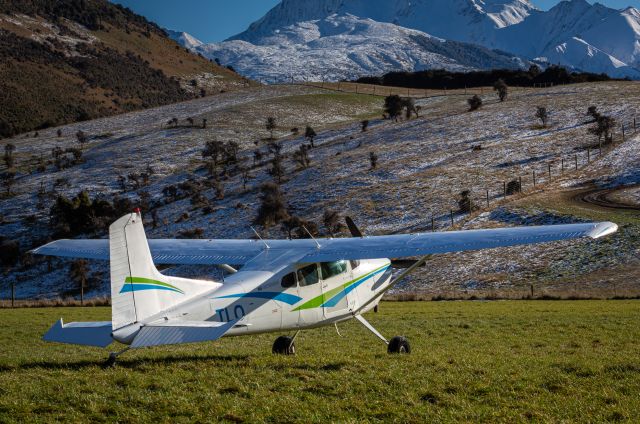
(80, 333)
(180, 332)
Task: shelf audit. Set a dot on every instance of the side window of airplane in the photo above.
(354, 264)
(289, 280)
(308, 275)
(332, 269)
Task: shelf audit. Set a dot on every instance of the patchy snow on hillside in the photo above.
(423, 165)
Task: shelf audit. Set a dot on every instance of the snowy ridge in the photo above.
(345, 47)
(350, 38)
(184, 39)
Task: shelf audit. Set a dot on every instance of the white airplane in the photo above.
(282, 285)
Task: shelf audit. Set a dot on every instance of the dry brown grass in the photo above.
(56, 303)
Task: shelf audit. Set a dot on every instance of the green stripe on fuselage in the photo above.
(324, 297)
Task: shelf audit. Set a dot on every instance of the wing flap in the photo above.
(180, 332)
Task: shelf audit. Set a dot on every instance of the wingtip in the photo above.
(603, 229)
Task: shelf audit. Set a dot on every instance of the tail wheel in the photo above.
(284, 345)
(399, 344)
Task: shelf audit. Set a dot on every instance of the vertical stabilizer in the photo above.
(138, 289)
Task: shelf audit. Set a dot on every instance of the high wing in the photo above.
(240, 252)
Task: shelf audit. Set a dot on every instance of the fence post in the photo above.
(549, 171)
(504, 189)
(562, 166)
(623, 133)
(520, 182)
(82, 293)
(13, 294)
(576, 159)
(588, 154)
(534, 177)
(433, 224)
(487, 198)
(634, 124)
(452, 217)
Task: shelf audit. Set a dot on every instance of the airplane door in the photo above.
(289, 301)
(310, 290)
(335, 276)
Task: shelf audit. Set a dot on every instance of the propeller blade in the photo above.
(353, 228)
(404, 263)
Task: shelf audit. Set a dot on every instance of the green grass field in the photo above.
(571, 361)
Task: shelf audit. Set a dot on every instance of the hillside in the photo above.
(65, 61)
(423, 165)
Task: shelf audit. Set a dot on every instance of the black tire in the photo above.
(399, 344)
(111, 361)
(284, 345)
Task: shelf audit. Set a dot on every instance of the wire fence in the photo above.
(536, 178)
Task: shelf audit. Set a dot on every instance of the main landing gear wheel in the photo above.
(399, 344)
(111, 361)
(284, 345)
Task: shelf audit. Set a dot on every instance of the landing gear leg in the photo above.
(397, 344)
(111, 361)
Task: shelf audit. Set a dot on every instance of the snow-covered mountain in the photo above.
(346, 46)
(459, 20)
(184, 39)
(347, 38)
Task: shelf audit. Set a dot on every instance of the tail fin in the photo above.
(138, 289)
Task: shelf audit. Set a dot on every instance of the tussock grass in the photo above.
(471, 362)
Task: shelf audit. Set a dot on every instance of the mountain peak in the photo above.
(461, 20)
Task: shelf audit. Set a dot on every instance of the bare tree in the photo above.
(373, 159)
(333, 222)
(8, 155)
(82, 138)
(604, 126)
(78, 273)
(501, 88)
(212, 152)
(301, 156)
(475, 103)
(310, 135)
(465, 203)
(543, 115)
(270, 125)
(393, 106)
(8, 180)
(273, 209)
(277, 169)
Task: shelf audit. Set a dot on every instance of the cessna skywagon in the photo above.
(280, 286)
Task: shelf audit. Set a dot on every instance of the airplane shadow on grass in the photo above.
(128, 363)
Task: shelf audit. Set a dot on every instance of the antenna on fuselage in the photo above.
(261, 239)
(311, 235)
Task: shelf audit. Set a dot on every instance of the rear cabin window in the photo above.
(308, 275)
(289, 280)
(332, 269)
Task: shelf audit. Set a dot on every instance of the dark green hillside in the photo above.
(73, 60)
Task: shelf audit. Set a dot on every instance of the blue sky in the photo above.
(216, 20)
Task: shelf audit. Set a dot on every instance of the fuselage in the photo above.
(297, 297)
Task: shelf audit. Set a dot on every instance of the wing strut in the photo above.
(371, 328)
(395, 281)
